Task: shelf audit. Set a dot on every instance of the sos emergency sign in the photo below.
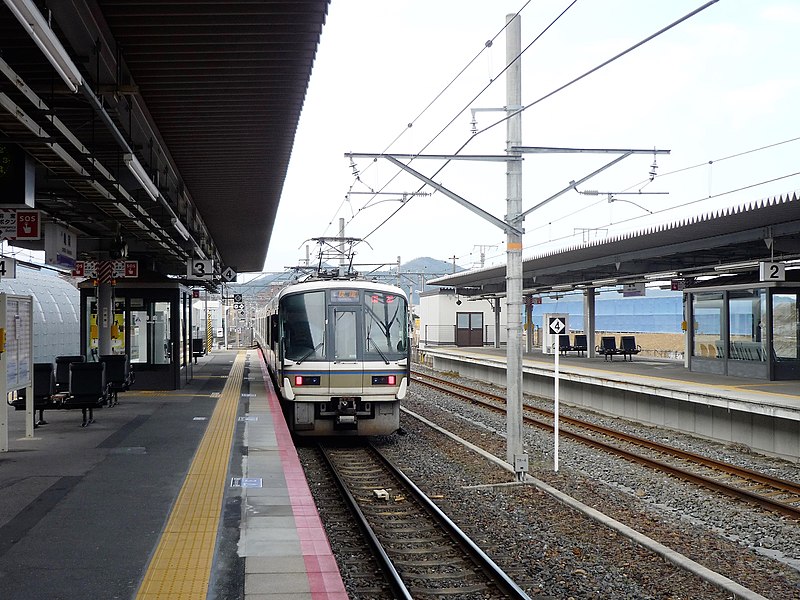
(20, 224)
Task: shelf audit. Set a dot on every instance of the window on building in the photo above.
(708, 325)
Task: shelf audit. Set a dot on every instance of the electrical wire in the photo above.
(715, 161)
(487, 44)
(680, 170)
(664, 210)
(478, 95)
(602, 65)
(560, 88)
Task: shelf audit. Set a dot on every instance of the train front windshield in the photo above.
(385, 326)
(346, 325)
(303, 324)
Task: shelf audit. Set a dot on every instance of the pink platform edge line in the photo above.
(324, 578)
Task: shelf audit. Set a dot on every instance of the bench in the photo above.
(119, 377)
(198, 348)
(565, 346)
(608, 347)
(44, 387)
(87, 389)
(628, 347)
(62, 370)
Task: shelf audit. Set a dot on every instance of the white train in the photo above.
(339, 352)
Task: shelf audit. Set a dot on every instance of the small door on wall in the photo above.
(469, 329)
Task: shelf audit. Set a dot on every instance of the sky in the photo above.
(401, 76)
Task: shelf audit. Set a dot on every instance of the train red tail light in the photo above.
(306, 380)
(384, 379)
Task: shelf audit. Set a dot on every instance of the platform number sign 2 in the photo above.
(772, 271)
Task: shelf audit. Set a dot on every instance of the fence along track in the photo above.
(422, 547)
(776, 495)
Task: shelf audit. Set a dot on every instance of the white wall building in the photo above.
(447, 319)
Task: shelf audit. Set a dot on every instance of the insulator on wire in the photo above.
(653, 168)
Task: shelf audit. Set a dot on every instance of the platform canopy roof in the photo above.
(200, 98)
(732, 240)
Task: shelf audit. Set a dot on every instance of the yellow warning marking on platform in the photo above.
(181, 565)
(175, 394)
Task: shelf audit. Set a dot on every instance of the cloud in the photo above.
(782, 13)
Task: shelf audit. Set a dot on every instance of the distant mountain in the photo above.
(426, 265)
(413, 274)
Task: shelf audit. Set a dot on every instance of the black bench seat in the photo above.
(119, 376)
(565, 346)
(44, 386)
(87, 389)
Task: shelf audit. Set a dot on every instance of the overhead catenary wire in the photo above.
(555, 91)
(572, 213)
(471, 101)
(663, 210)
(715, 161)
(427, 107)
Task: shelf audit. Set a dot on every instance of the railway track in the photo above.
(773, 494)
(422, 552)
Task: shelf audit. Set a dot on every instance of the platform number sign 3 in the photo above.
(201, 269)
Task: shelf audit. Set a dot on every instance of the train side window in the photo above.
(273, 329)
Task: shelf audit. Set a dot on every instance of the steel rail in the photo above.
(764, 501)
(502, 582)
(393, 578)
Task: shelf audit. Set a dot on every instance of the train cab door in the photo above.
(346, 362)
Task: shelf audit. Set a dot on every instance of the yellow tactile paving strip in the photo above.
(181, 566)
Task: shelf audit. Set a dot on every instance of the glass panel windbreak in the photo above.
(150, 333)
(708, 326)
(159, 333)
(786, 326)
(747, 315)
(302, 321)
(139, 336)
(385, 326)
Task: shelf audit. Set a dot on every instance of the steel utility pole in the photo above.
(512, 226)
(515, 452)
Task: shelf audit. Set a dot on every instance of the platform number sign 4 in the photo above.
(772, 271)
(8, 267)
(556, 325)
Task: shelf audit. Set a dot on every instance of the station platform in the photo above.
(763, 415)
(187, 494)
